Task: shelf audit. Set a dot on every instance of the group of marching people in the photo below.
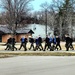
(69, 42)
(51, 43)
(10, 44)
(37, 41)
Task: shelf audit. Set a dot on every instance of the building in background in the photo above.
(30, 30)
(5, 32)
(40, 30)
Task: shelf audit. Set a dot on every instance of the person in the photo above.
(58, 42)
(25, 44)
(46, 43)
(52, 41)
(9, 45)
(71, 45)
(22, 42)
(31, 40)
(37, 44)
(40, 43)
(67, 39)
(13, 43)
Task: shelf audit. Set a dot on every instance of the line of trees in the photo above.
(59, 15)
(15, 11)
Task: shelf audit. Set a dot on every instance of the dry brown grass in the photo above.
(12, 54)
(6, 54)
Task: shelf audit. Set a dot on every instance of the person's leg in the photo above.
(71, 46)
(56, 46)
(45, 46)
(25, 49)
(41, 46)
(30, 46)
(36, 47)
(12, 47)
(33, 45)
(67, 47)
(21, 46)
(15, 47)
(6, 47)
(60, 47)
(9, 46)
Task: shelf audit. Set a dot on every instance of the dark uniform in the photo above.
(9, 42)
(13, 44)
(40, 43)
(25, 44)
(58, 42)
(37, 44)
(47, 45)
(31, 40)
(22, 43)
(71, 45)
(67, 45)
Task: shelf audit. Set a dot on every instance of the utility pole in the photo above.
(46, 21)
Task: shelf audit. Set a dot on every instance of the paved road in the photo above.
(37, 65)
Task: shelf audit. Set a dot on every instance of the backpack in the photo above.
(51, 40)
(23, 40)
(54, 40)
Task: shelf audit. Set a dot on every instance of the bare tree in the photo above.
(48, 15)
(68, 10)
(64, 10)
(16, 10)
(59, 15)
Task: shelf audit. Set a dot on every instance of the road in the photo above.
(38, 65)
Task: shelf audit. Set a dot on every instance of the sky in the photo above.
(36, 4)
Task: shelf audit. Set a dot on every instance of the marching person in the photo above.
(46, 43)
(37, 44)
(25, 44)
(40, 42)
(67, 39)
(13, 43)
(50, 41)
(54, 40)
(9, 43)
(58, 42)
(71, 45)
(22, 43)
(31, 40)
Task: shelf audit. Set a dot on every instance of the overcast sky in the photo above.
(36, 4)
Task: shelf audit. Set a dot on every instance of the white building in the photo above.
(40, 30)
